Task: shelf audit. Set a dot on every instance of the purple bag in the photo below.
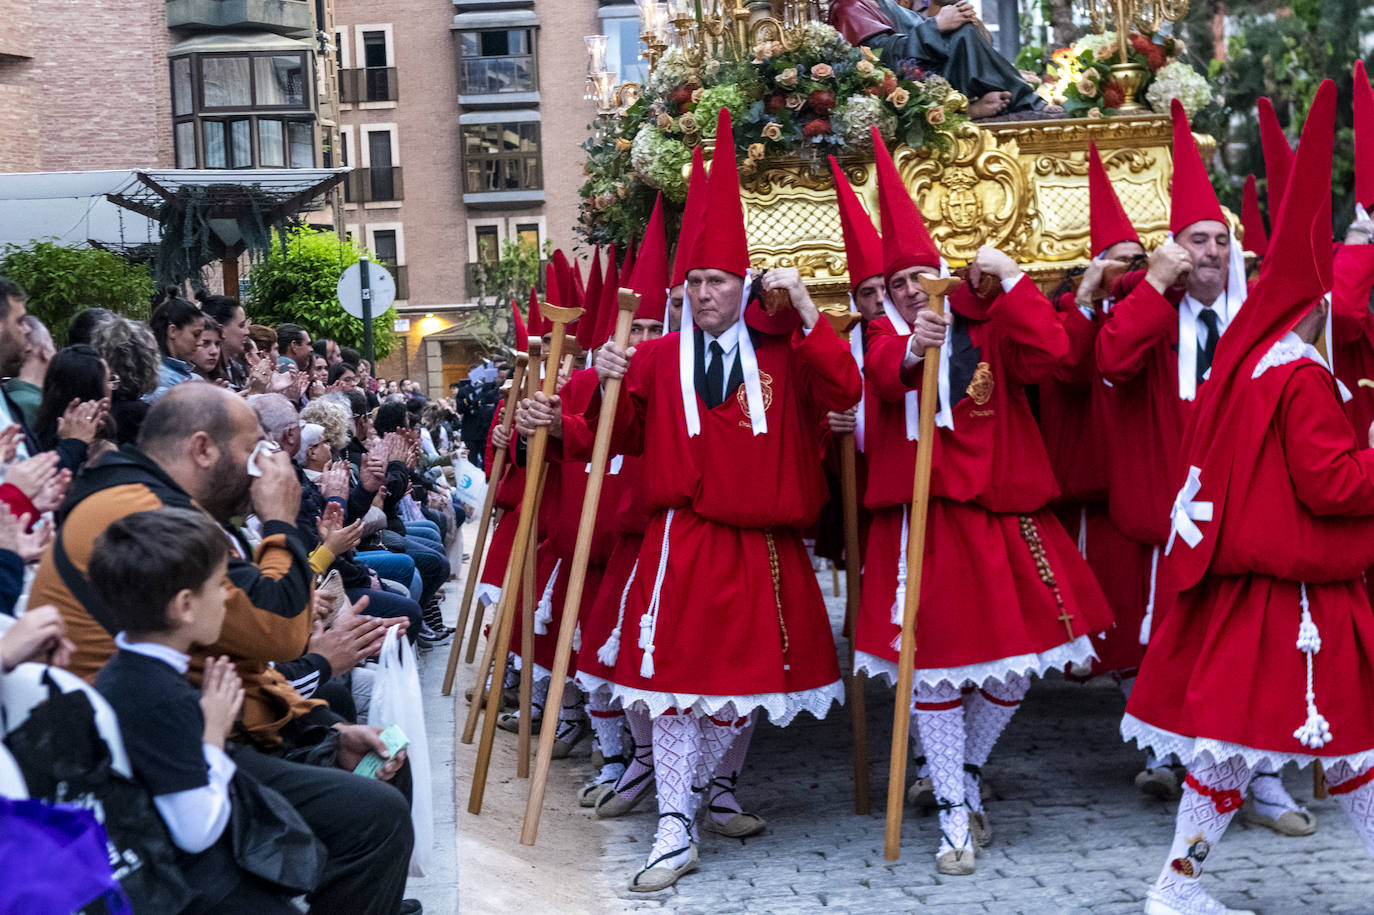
(55, 861)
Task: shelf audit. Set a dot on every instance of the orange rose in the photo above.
(772, 131)
(936, 116)
(899, 97)
(756, 151)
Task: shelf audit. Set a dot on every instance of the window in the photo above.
(488, 243)
(381, 175)
(622, 49)
(496, 61)
(343, 147)
(501, 157)
(374, 49)
(384, 246)
(527, 234)
(243, 110)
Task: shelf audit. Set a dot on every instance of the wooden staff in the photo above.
(601, 450)
(505, 604)
(534, 470)
(527, 611)
(854, 682)
(475, 565)
(915, 556)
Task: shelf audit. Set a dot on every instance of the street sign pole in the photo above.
(365, 278)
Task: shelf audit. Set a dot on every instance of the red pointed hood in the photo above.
(1192, 199)
(562, 272)
(650, 277)
(721, 243)
(691, 217)
(1364, 138)
(1229, 423)
(1278, 157)
(1107, 217)
(1256, 241)
(521, 332)
(906, 243)
(863, 248)
(536, 318)
(579, 288)
(605, 315)
(589, 323)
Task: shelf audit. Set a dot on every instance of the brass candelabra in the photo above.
(1124, 16)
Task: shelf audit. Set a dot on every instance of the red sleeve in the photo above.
(579, 435)
(1353, 269)
(1078, 367)
(1136, 323)
(885, 350)
(830, 377)
(1034, 341)
(633, 403)
(1333, 473)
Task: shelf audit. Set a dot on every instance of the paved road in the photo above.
(1072, 835)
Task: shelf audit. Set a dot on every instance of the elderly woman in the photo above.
(131, 354)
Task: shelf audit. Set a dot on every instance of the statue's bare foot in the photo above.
(993, 103)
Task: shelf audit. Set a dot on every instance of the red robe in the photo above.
(1352, 327)
(509, 491)
(739, 617)
(1223, 673)
(1074, 408)
(989, 471)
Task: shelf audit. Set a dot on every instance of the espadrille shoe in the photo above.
(1156, 903)
(979, 829)
(739, 826)
(955, 862)
(658, 877)
(1296, 823)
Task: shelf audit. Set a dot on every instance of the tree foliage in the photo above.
(1282, 51)
(513, 274)
(297, 282)
(62, 280)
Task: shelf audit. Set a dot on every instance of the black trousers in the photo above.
(363, 822)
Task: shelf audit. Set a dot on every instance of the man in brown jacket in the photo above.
(197, 448)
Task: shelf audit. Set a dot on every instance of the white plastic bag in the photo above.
(396, 699)
(470, 485)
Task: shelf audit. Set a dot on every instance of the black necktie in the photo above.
(715, 376)
(1204, 357)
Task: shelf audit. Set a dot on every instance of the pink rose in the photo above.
(864, 66)
(772, 131)
(899, 97)
(936, 116)
(822, 71)
(788, 77)
(1087, 86)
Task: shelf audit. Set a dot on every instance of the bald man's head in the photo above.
(202, 435)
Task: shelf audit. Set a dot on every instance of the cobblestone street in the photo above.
(1071, 833)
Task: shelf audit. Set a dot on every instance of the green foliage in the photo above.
(61, 281)
(186, 237)
(513, 274)
(1284, 57)
(297, 283)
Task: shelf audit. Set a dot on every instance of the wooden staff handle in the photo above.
(534, 464)
(505, 605)
(528, 609)
(937, 289)
(853, 685)
(498, 465)
(601, 450)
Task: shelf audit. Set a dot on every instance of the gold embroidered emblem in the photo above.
(980, 388)
(742, 397)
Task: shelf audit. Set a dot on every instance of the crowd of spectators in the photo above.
(215, 523)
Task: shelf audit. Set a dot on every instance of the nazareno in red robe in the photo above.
(1223, 676)
(986, 611)
(1074, 422)
(724, 613)
(509, 491)
(1352, 327)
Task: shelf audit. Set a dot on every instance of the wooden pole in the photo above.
(498, 465)
(915, 556)
(476, 632)
(527, 610)
(853, 564)
(534, 475)
(505, 605)
(601, 449)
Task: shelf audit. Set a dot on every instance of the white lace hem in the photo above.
(1079, 651)
(591, 685)
(780, 707)
(1163, 743)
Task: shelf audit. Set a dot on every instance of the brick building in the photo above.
(464, 118)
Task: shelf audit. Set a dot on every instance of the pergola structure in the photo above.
(212, 214)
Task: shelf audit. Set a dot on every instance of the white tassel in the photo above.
(545, 614)
(899, 602)
(609, 652)
(1315, 731)
(1148, 622)
(648, 623)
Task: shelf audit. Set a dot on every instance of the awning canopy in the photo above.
(117, 209)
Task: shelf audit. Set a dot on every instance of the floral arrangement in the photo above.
(820, 98)
(1080, 77)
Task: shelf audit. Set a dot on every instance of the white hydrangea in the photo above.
(823, 41)
(672, 70)
(1180, 81)
(1103, 46)
(860, 112)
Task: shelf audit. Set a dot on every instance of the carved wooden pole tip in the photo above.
(560, 314)
(934, 285)
(629, 300)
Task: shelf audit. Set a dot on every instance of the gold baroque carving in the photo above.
(1133, 160)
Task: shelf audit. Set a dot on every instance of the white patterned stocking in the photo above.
(677, 754)
(985, 717)
(940, 719)
(1211, 796)
(608, 724)
(639, 763)
(720, 800)
(1355, 794)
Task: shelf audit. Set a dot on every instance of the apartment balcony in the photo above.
(293, 18)
(368, 84)
(374, 185)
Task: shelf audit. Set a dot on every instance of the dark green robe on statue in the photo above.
(963, 56)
